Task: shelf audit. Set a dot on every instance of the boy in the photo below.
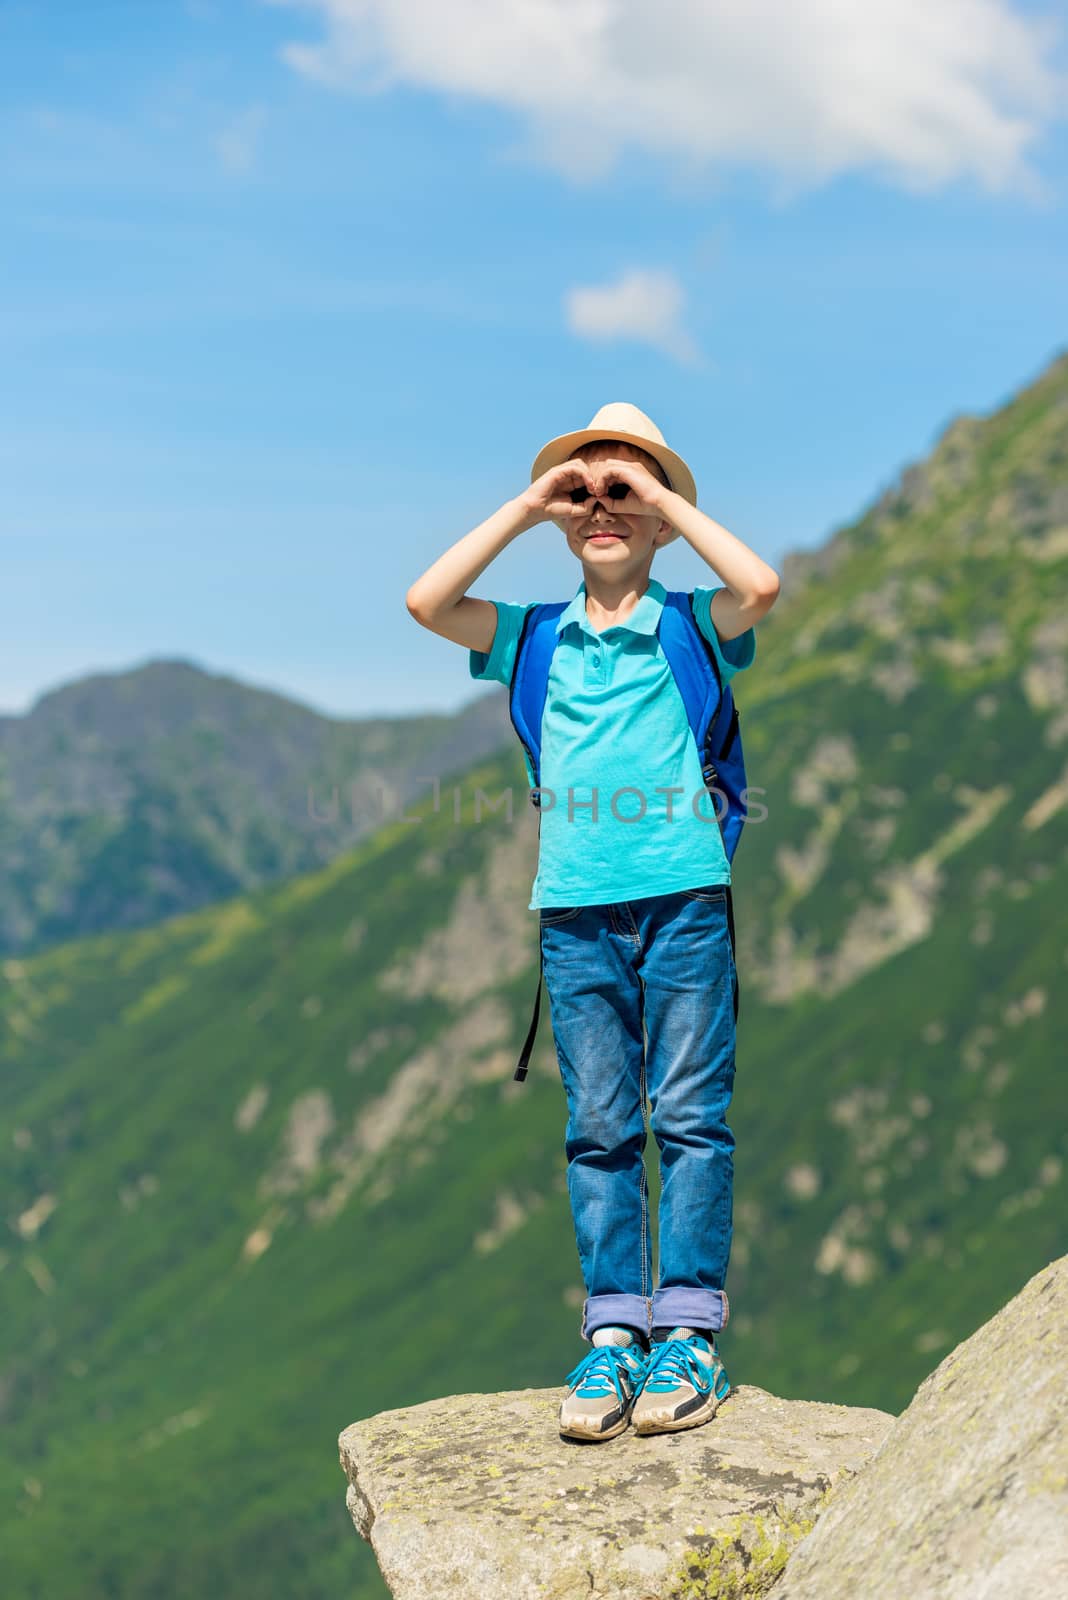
(631, 896)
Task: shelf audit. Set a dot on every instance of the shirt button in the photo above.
(597, 661)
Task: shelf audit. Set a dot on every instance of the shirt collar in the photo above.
(643, 619)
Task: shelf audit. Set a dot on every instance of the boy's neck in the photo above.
(605, 598)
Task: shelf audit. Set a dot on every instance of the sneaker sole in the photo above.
(576, 1430)
(647, 1425)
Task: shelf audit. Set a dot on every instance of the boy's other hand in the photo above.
(549, 497)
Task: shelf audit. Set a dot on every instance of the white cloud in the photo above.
(237, 145)
(642, 305)
(921, 92)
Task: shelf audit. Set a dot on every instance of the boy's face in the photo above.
(604, 538)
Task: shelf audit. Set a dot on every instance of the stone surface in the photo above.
(478, 1496)
(967, 1497)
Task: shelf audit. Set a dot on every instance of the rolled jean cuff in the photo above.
(690, 1308)
(615, 1311)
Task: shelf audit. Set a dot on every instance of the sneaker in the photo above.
(685, 1380)
(601, 1389)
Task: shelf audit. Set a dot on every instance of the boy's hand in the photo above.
(549, 497)
(646, 492)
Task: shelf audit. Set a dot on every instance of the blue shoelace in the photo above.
(601, 1370)
(676, 1362)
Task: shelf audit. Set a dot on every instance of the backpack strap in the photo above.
(528, 1044)
(529, 687)
(527, 695)
(734, 948)
(696, 669)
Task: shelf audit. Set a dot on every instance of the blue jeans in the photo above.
(661, 966)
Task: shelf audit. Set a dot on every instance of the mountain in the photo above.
(129, 797)
(264, 1162)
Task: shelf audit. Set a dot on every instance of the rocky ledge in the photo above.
(964, 1495)
(477, 1495)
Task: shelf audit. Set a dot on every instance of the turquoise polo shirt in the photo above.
(614, 739)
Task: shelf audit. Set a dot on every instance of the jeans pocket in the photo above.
(551, 915)
(707, 891)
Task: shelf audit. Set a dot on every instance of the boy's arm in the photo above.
(752, 587)
(439, 599)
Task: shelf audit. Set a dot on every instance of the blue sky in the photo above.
(294, 290)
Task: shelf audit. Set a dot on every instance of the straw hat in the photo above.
(619, 420)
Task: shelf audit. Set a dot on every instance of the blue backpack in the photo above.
(710, 711)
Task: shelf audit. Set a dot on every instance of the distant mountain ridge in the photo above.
(129, 797)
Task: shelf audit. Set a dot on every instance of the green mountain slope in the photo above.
(265, 1169)
(133, 796)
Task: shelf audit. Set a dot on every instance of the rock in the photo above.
(963, 1497)
(478, 1496)
(967, 1496)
